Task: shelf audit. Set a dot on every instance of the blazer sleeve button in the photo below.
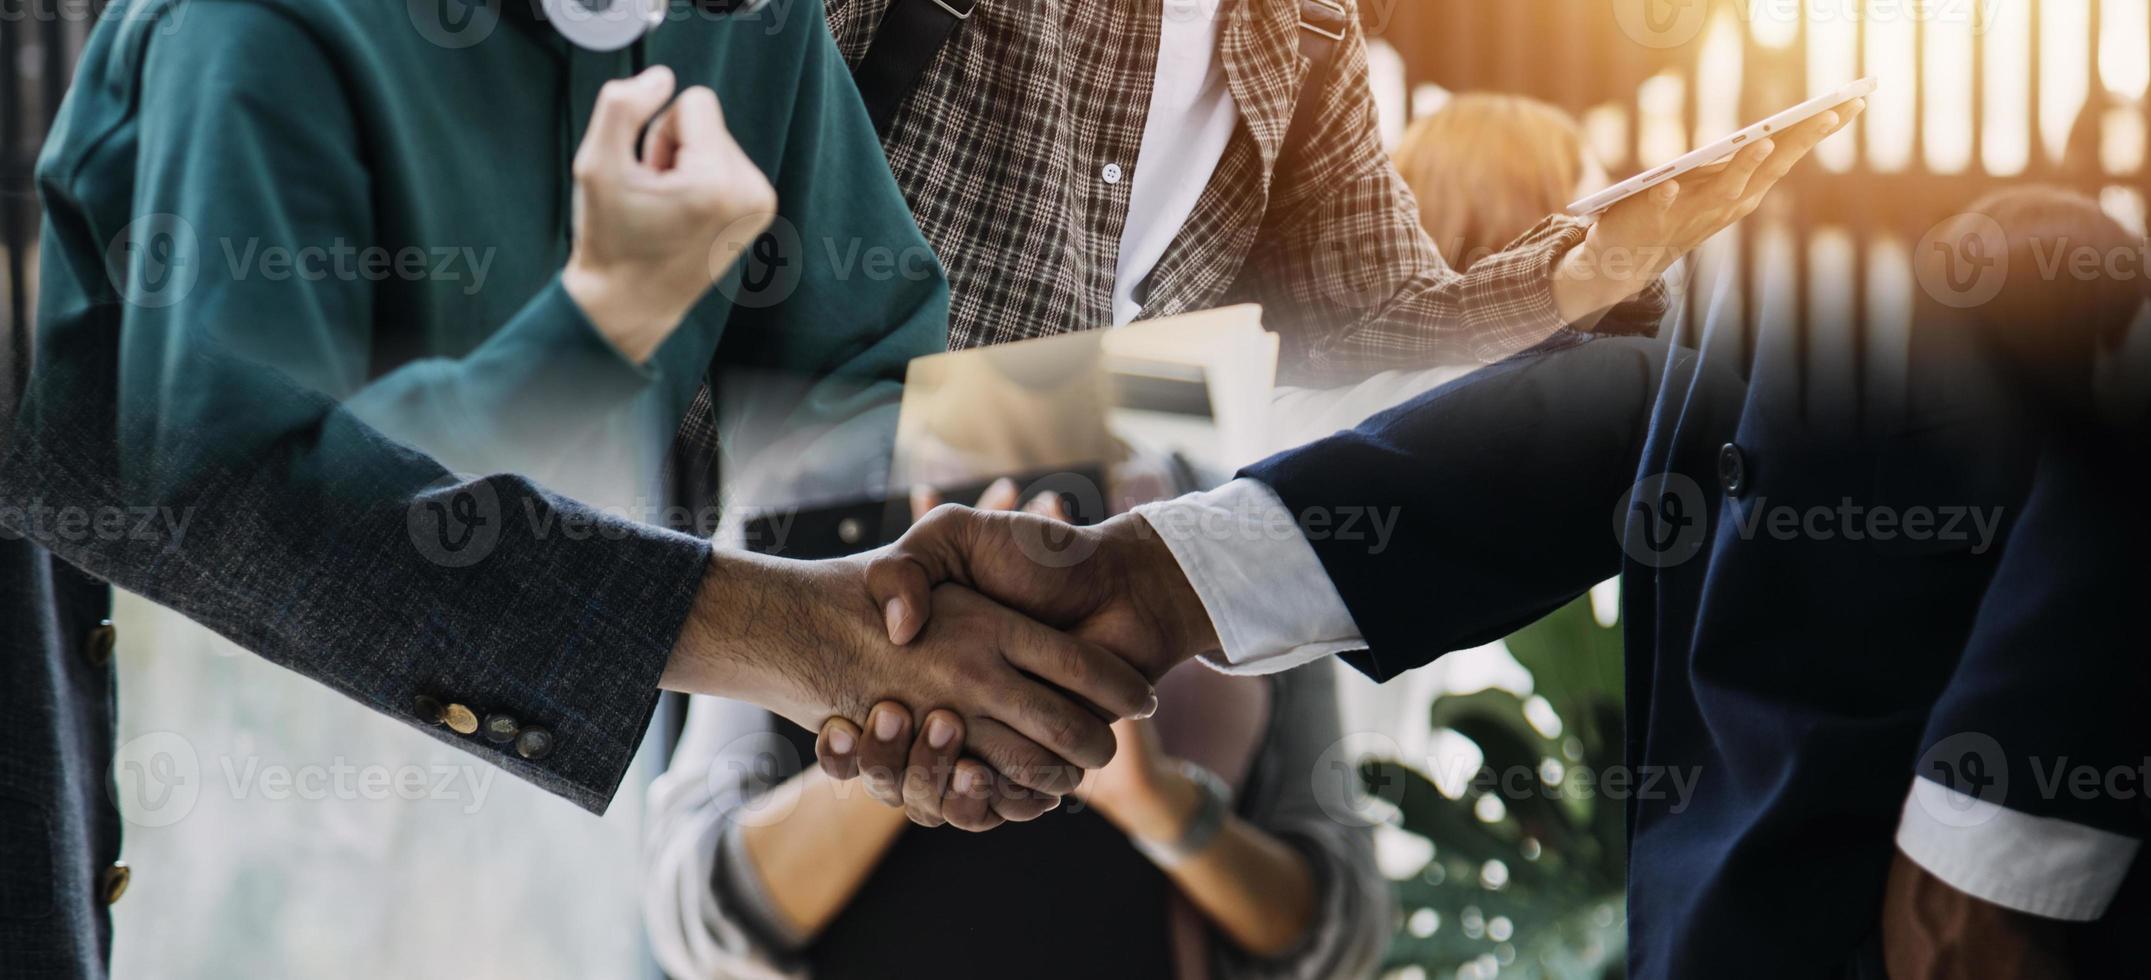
(501, 728)
(97, 646)
(534, 743)
(114, 881)
(461, 720)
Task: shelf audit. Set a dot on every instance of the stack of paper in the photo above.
(1198, 384)
(1232, 353)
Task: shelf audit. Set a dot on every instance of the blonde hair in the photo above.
(1487, 168)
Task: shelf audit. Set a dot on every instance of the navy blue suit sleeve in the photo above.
(1503, 486)
(2054, 675)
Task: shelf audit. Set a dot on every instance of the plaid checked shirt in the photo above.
(1000, 151)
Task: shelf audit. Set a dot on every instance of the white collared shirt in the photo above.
(1192, 117)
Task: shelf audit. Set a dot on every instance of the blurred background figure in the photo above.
(1486, 167)
(1220, 843)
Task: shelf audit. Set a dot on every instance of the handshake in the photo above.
(1020, 639)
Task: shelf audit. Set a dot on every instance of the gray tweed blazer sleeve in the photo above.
(308, 537)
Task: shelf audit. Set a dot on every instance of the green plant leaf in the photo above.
(1572, 659)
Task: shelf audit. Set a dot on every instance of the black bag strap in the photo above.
(1323, 24)
(910, 34)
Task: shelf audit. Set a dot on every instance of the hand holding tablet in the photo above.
(1702, 160)
(1646, 225)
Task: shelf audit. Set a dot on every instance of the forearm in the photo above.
(529, 398)
(813, 860)
(1256, 888)
(741, 638)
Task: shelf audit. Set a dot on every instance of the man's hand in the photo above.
(1931, 931)
(1640, 239)
(804, 639)
(1115, 585)
(978, 798)
(646, 228)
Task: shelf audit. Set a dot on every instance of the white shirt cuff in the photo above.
(2035, 865)
(1265, 590)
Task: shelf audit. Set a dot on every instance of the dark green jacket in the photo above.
(234, 326)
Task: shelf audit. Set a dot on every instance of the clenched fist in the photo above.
(645, 227)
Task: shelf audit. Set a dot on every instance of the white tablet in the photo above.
(1720, 150)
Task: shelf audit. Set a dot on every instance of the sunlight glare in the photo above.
(2125, 47)
(2065, 74)
(2007, 127)
(1893, 114)
(1948, 90)
(1833, 48)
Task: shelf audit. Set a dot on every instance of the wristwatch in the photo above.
(1203, 826)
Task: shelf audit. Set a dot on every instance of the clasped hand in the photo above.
(1114, 587)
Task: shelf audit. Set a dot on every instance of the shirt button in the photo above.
(1113, 173)
(97, 647)
(115, 879)
(534, 743)
(1732, 470)
(501, 728)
